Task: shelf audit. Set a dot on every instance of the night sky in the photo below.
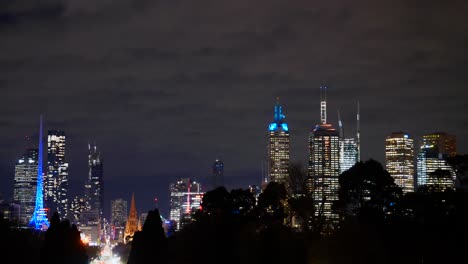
(165, 87)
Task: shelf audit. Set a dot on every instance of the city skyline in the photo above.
(173, 93)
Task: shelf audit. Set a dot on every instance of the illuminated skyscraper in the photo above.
(218, 174)
(434, 149)
(324, 163)
(56, 189)
(25, 183)
(349, 149)
(94, 188)
(278, 147)
(399, 160)
(186, 197)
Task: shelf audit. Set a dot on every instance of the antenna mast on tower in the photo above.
(358, 134)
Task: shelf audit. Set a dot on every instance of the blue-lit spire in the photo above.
(279, 117)
(39, 219)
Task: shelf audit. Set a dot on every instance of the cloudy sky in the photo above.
(164, 87)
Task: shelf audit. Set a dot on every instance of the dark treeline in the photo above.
(377, 224)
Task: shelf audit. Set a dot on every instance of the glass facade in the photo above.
(348, 153)
(56, 184)
(434, 149)
(186, 198)
(399, 160)
(25, 184)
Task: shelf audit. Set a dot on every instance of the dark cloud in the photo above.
(165, 87)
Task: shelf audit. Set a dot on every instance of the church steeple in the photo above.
(132, 225)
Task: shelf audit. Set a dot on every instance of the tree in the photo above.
(459, 163)
(272, 202)
(62, 243)
(366, 190)
(150, 244)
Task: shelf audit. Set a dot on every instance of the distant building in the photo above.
(218, 174)
(143, 218)
(186, 197)
(133, 224)
(348, 153)
(90, 226)
(399, 160)
(324, 164)
(56, 183)
(434, 149)
(77, 206)
(25, 183)
(278, 148)
(94, 187)
(118, 218)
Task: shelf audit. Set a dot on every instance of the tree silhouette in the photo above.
(459, 164)
(62, 244)
(150, 244)
(367, 190)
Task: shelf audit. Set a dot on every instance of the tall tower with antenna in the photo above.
(324, 165)
(278, 147)
(39, 219)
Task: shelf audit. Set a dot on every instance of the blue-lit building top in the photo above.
(278, 147)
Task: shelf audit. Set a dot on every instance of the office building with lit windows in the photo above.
(399, 160)
(25, 184)
(56, 183)
(94, 187)
(186, 198)
(119, 213)
(434, 149)
(348, 153)
(324, 164)
(278, 148)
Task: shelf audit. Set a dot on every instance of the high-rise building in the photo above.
(118, 218)
(77, 206)
(56, 189)
(133, 222)
(25, 183)
(348, 153)
(218, 173)
(349, 147)
(278, 148)
(94, 187)
(186, 197)
(324, 164)
(434, 149)
(399, 160)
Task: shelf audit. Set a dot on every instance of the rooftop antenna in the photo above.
(358, 134)
(340, 124)
(323, 104)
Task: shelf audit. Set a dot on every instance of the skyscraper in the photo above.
(349, 148)
(278, 147)
(218, 173)
(324, 164)
(118, 218)
(434, 149)
(186, 197)
(94, 188)
(56, 189)
(399, 159)
(25, 183)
